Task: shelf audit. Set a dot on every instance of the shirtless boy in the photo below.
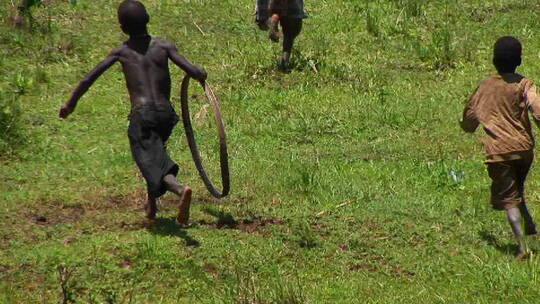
(501, 104)
(288, 14)
(144, 62)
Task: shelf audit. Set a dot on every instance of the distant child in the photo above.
(501, 104)
(288, 14)
(144, 62)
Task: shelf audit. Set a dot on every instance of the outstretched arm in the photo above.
(191, 69)
(533, 102)
(85, 84)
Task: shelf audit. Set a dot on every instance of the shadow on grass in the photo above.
(168, 227)
(491, 240)
(224, 219)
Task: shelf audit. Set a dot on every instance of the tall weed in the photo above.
(412, 8)
(10, 114)
(246, 287)
(372, 22)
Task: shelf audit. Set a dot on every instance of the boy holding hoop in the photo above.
(144, 62)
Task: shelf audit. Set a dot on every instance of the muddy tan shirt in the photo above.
(501, 104)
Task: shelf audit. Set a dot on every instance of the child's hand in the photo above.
(65, 110)
(202, 75)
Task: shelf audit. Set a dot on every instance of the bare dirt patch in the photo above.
(210, 268)
(380, 264)
(54, 213)
(5, 268)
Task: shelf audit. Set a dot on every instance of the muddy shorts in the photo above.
(288, 8)
(149, 128)
(508, 182)
(284, 8)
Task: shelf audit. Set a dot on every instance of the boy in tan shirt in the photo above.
(501, 104)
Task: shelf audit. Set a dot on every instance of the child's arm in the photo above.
(85, 84)
(191, 69)
(533, 102)
(469, 122)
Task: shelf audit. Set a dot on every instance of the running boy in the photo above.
(144, 62)
(501, 104)
(288, 14)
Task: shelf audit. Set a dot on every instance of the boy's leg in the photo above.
(273, 22)
(505, 196)
(147, 144)
(514, 218)
(277, 9)
(523, 170)
(150, 208)
(291, 29)
(184, 192)
(262, 14)
(530, 226)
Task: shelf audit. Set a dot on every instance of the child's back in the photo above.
(501, 105)
(145, 65)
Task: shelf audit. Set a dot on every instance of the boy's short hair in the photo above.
(507, 54)
(133, 17)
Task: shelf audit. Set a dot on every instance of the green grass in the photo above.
(352, 184)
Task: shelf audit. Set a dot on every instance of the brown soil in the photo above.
(378, 263)
(211, 268)
(363, 267)
(53, 214)
(126, 263)
(5, 268)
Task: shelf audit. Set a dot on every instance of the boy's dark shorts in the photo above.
(149, 128)
(508, 182)
(287, 8)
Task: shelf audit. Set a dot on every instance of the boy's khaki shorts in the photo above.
(508, 182)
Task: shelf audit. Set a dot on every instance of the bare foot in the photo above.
(151, 209)
(185, 202)
(273, 34)
(272, 23)
(523, 255)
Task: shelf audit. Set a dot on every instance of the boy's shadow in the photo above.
(492, 241)
(169, 227)
(224, 219)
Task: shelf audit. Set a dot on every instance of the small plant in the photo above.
(443, 49)
(412, 8)
(10, 113)
(247, 288)
(439, 52)
(372, 22)
(64, 278)
(304, 235)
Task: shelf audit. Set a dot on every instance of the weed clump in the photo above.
(413, 8)
(10, 116)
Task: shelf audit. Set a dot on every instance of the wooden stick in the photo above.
(310, 62)
(338, 206)
(199, 28)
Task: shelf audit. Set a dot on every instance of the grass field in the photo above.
(351, 181)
